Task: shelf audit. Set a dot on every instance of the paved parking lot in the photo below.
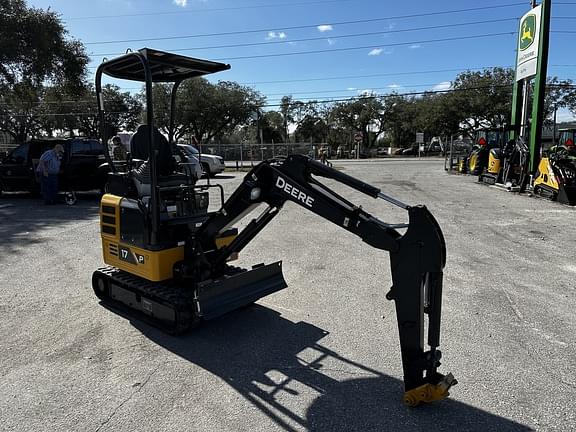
(321, 355)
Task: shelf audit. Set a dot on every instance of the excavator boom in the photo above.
(205, 286)
(417, 257)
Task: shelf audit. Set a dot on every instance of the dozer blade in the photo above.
(215, 298)
(176, 309)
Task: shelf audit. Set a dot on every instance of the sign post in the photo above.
(358, 138)
(420, 142)
(540, 87)
(531, 62)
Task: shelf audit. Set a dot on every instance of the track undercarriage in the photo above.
(178, 306)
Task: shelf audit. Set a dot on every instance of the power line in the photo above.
(265, 30)
(342, 99)
(360, 76)
(180, 12)
(375, 75)
(367, 46)
(425, 41)
(323, 38)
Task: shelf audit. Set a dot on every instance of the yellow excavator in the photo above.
(556, 175)
(168, 258)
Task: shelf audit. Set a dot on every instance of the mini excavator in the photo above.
(168, 257)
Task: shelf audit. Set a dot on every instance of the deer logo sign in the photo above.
(527, 32)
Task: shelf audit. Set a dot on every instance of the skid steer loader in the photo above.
(168, 257)
(556, 175)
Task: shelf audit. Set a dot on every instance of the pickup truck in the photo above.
(80, 169)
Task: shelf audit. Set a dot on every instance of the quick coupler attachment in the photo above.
(430, 392)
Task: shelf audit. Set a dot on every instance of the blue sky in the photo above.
(383, 53)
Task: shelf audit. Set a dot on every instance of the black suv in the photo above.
(80, 170)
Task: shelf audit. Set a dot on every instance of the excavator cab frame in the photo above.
(174, 286)
(151, 66)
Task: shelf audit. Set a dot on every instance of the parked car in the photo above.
(191, 161)
(80, 169)
(211, 164)
(411, 151)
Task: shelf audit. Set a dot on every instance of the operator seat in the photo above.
(165, 161)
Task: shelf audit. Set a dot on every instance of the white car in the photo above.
(211, 165)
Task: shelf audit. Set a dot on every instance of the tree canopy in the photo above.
(34, 47)
(44, 91)
(204, 110)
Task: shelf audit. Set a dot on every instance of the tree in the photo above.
(559, 94)
(483, 98)
(34, 51)
(272, 124)
(34, 48)
(79, 115)
(286, 109)
(19, 111)
(311, 124)
(367, 115)
(204, 110)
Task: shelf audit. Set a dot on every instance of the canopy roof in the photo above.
(165, 67)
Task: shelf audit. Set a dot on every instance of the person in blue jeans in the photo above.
(48, 169)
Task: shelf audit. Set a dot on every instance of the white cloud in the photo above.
(181, 3)
(375, 52)
(445, 85)
(324, 28)
(351, 88)
(276, 35)
(564, 115)
(395, 86)
(415, 46)
(330, 41)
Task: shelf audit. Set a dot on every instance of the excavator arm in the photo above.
(417, 256)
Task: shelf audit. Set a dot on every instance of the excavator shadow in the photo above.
(280, 367)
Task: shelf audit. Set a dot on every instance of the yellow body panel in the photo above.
(154, 265)
(546, 175)
(493, 164)
(472, 162)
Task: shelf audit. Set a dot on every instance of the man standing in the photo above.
(118, 149)
(48, 169)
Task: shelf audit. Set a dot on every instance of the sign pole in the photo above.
(540, 88)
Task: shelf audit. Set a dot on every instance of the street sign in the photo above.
(419, 138)
(358, 136)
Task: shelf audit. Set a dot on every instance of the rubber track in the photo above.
(177, 298)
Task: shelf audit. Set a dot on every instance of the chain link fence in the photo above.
(248, 154)
(6, 142)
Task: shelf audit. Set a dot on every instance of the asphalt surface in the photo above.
(321, 355)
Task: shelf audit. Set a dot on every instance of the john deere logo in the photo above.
(527, 31)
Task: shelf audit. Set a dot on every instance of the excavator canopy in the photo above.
(164, 67)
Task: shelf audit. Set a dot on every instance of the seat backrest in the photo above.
(139, 148)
